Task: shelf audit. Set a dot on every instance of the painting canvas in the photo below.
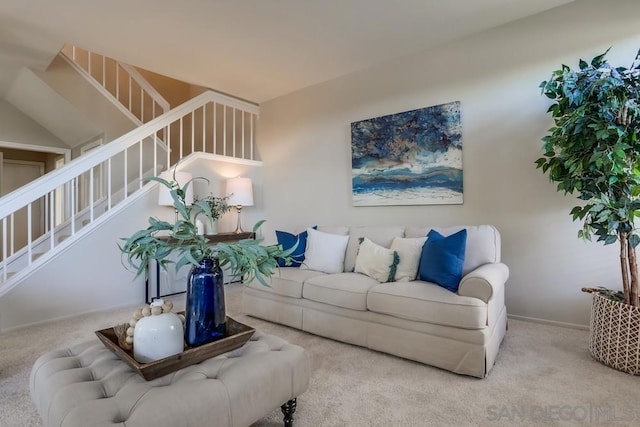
(409, 158)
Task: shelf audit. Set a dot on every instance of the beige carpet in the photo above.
(543, 376)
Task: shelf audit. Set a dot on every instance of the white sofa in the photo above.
(416, 320)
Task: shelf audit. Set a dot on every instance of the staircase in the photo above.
(121, 83)
(78, 197)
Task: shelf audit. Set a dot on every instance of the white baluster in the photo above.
(181, 137)
(168, 140)
(193, 141)
(215, 129)
(234, 131)
(243, 113)
(126, 174)
(204, 128)
(52, 219)
(29, 233)
(155, 155)
(5, 265)
(91, 194)
(13, 234)
(251, 136)
(73, 204)
(45, 201)
(224, 130)
(140, 165)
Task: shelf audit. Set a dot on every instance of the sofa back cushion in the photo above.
(483, 243)
(382, 236)
(334, 229)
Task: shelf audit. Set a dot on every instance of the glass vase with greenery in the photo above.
(218, 205)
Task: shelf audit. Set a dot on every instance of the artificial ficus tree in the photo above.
(593, 151)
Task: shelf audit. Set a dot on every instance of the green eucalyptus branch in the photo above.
(247, 258)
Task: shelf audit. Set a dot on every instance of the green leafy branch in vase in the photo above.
(247, 257)
(218, 205)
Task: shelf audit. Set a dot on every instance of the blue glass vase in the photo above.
(205, 315)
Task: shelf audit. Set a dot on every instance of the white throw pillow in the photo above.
(325, 251)
(409, 251)
(376, 261)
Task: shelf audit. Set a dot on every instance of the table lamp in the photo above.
(164, 195)
(240, 192)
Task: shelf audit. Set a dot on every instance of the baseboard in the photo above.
(64, 317)
(549, 322)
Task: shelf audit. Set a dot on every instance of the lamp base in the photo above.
(239, 226)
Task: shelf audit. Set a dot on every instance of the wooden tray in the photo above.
(237, 335)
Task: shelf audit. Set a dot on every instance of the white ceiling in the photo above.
(252, 49)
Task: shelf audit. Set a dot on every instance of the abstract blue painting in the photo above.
(410, 158)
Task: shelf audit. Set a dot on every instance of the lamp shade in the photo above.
(240, 191)
(164, 195)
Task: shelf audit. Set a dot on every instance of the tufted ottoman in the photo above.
(88, 385)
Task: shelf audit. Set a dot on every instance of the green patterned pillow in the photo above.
(376, 261)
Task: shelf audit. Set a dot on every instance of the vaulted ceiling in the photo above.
(253, 49)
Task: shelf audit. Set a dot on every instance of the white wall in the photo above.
(17, 127)
(305, 145)
(35, 98)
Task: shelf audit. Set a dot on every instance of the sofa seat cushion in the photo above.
(427, 302)
(346, 290)
(286, 281)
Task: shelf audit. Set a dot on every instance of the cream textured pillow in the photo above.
(409, 251)
(376, 261)
(325, 251)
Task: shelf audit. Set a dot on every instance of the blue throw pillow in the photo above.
(288, 240)
(442, 259)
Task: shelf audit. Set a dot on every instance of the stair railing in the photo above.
(210, 123)
(122, 82)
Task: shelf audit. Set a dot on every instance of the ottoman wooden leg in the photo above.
(288, 409)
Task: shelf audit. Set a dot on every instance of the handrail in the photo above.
(210, 123)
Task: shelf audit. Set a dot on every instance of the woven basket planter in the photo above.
(615, 334)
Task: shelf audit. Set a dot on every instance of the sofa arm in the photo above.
(484, 281)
